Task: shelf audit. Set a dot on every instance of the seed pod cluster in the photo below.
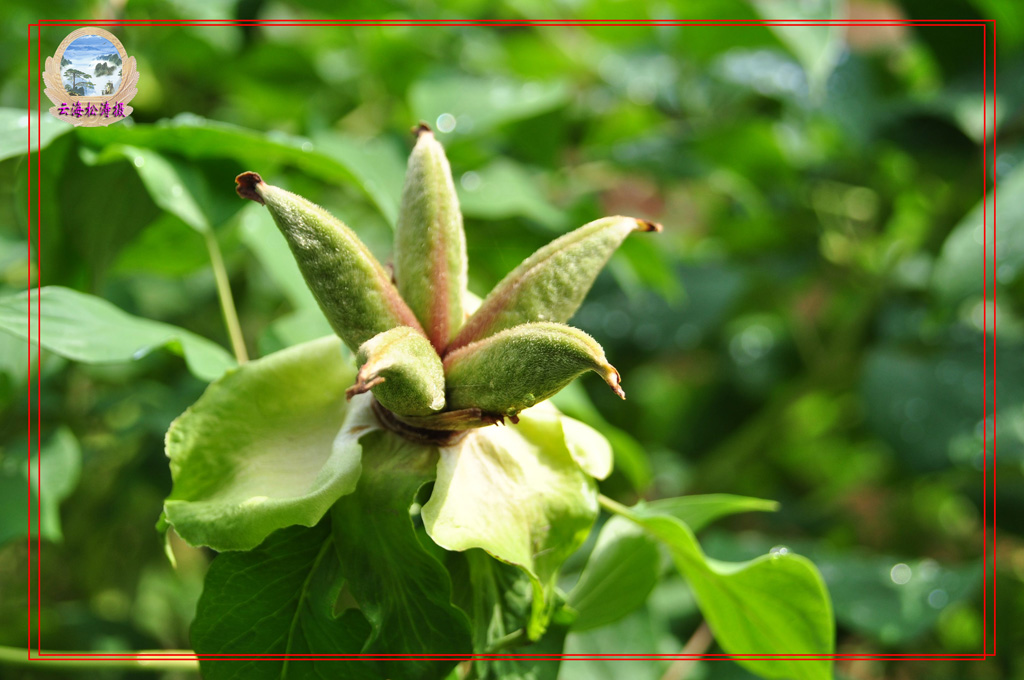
(429, 365)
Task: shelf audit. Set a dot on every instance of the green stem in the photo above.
(227, 302)
(613, 507)
(516, 638)
(16, 656)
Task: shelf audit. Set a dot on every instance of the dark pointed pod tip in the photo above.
(616, 386)
(363, 385)
(646, 225)
(420, 129)
(245, 185)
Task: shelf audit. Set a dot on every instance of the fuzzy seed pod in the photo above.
(403, 371)
(430, 245)
(519, 367)
(353, 289)
(550, 284)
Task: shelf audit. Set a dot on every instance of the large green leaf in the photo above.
(401, 588)
(88, 329)
(776, 604)
(271, 444)
(517, 493)
(624, 566)
(620, 573)
(59, 467)
(285, 597)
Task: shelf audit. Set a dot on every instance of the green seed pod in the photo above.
(353, 289)
(430, 245)
(521, 366)
(404, 372)
(550, 284)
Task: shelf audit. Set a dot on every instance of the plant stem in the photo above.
(16, 656)
(227, 302)
(611, 506)
(516, 638)
(697, 644)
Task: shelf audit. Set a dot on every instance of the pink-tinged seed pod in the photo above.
(353, 289)
(550, 284)
(430, 245)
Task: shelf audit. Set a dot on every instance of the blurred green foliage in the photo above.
(809, 328)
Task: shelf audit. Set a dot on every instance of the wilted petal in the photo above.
(517, 493)
(271, 444)
(587, 446)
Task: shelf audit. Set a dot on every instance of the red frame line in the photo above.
(148, 656)
(994, 344)
(511, 22)
(28, 218)
(984, 332)
(39, 350)
(517, 22)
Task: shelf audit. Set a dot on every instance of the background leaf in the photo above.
(502, 190)
(175, 187)
(84, 328)
(817, 47)
(637, 633)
